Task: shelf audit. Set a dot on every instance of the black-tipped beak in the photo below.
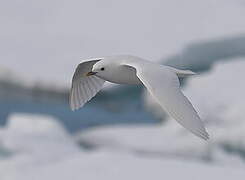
(91, 73)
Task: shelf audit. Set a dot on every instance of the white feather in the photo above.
(161, 81)
(84, 87)
(163, 84)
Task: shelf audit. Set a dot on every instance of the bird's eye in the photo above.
(102, 69)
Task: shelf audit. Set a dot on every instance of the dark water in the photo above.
(103, 110)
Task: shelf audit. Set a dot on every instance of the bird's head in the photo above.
(108, 66)
(101, 68)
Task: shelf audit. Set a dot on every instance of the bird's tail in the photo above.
(182, 73)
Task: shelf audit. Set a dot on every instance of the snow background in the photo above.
(41, 42)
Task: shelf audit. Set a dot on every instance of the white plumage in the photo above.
(84, 87)
(161, 81)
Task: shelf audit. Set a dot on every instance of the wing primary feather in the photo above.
(88, 90)
(95, 85)
(84, 87)
(91, 87)
(72, 100)
(79, 95)
(81, 91)
(163, 84)
(74, 97)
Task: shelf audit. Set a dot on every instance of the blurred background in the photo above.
(121, 133)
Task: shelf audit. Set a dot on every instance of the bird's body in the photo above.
(161, 81)
(120, 74)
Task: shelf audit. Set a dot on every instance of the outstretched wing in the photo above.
(84, 87)
(163, 84)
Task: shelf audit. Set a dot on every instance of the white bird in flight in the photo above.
(161, 81)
